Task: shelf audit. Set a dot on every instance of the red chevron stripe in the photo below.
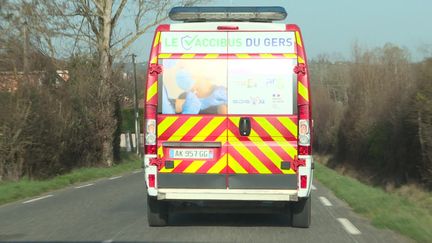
(264, 159)
(197, 128)
(279, 151)
(229, 170)
(301, 100)
(154, 99)
(217, 132)
(242, 161)
(281, 128)
(271, 142)
(266, 137)
(176, 125)
(206, 166)
(261, 156)
(182, 166)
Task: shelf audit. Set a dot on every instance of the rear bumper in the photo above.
(227, 194)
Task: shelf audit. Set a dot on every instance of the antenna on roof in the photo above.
(208, 14)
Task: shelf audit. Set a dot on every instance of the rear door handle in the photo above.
(244, 126)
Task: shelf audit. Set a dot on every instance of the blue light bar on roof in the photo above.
(205, 14)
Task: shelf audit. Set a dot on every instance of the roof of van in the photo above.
(210, 14)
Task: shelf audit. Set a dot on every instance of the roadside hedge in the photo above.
(128, 120)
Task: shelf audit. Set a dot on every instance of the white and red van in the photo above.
(228, 112)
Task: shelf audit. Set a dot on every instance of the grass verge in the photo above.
(386, 210)
(12, 191)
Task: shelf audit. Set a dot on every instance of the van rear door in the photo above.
(262, 106)
(192, 121)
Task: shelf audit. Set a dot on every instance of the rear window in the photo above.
(194, 86)
(261, 86)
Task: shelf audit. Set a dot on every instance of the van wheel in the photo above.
(157, 212)
(301, 213)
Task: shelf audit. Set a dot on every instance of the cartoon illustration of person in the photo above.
(199, 96)
(303, 129)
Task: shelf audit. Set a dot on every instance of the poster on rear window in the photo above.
(194, 86)
(260, 86)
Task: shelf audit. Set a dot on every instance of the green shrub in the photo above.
(128, 120)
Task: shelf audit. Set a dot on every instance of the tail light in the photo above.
(151, 180)
(304, 150)
(150, 149)
(303, 181)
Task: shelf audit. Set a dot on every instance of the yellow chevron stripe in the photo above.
(165, 55)
(235, 166)
(222, 138)
(153, 60)
(211, 55)
(185, 128)
(160, 152)
(289, 124)
(152, 91)
(187, 55)
(235, 120)
(300, 59)
(157, 39)
(165, 170)
(218, 166)
(266, 55)
(286, 146)
(209, 128)
(242, 55)
(290, 55)
(165, 124)
(247, 154)
(298, 39)
(268, 127)
(194, 166)
(303, 91)
(266, 149)
(277, 136)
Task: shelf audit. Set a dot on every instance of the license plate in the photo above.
(191, 153)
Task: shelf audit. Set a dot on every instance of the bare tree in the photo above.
(96, 23)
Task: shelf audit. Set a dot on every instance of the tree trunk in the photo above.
(106, 118)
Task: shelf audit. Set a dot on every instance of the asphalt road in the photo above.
(114, 209)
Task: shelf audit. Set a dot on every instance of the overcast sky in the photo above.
(331, 27)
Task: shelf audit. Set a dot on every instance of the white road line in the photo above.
(86, 185)
(115, 177)
(313, 187)
(348, 226)
(325, 201)
(137, 171)
(107, 241)
(37, 199)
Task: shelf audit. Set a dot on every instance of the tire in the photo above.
(301, 213)
(157, 212)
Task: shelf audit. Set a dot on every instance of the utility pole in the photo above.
(26, 44)
(136, 110)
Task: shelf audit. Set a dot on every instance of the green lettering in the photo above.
(238, 42)
(213, 42)
(205, 42)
